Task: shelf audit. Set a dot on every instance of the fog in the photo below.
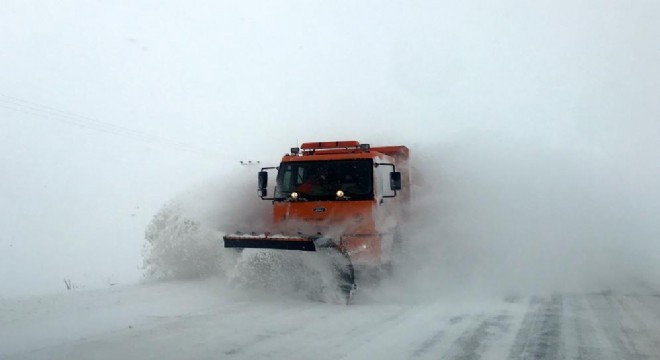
(529, 217)
(533, 129)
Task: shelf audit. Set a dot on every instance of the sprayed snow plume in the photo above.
(178, 247)
(184, 239)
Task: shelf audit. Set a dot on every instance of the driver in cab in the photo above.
(314, 184)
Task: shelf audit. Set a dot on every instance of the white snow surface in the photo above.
(209, 319)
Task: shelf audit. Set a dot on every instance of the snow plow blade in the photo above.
(341, 262)
(279, 242)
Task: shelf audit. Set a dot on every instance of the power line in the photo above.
(69, 118)
(80, 121)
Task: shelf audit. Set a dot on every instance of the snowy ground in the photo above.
(209, 319)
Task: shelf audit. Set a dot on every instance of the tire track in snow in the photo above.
(639, 324)
(628, 335)
(570, 326)
(419, 335)
(539, 336)
(162, 339)
(290, 326)
(329, 335)
(474, 341)
(582, 339)
(435, 338)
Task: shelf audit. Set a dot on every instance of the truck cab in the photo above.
(346, 191)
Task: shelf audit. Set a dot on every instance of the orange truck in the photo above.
(341, 197)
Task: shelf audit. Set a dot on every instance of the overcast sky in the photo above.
(110, 109)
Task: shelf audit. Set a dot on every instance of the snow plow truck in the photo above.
(342, 198)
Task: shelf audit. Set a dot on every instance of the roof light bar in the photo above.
(330, 145)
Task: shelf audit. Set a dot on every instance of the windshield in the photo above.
(320, 180)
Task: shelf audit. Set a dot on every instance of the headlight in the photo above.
(294, 195)
(340, 194)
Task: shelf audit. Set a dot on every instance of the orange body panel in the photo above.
(352, 222)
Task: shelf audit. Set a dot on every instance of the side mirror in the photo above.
(395, 181)
(263, 183)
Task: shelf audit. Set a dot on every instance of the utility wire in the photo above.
(80, 121)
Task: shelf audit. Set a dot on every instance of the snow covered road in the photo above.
(209, 320)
